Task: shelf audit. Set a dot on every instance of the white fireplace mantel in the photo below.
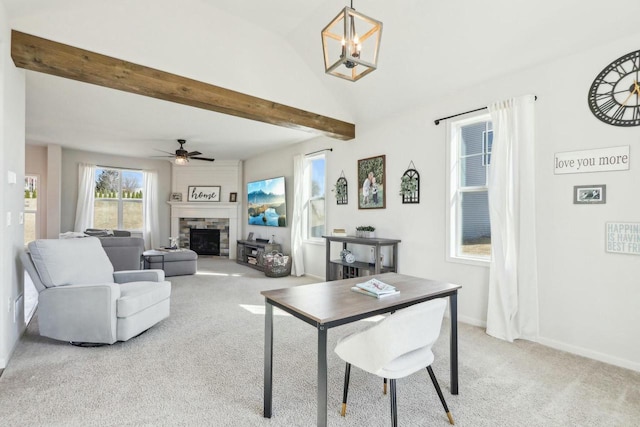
(220, 210)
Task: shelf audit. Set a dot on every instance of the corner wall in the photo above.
(587, 297)
(12, 128)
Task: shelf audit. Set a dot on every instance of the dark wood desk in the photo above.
(329, 304)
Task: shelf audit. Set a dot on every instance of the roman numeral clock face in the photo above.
(614, 96)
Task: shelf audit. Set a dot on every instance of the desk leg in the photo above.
(268, 358)
(322, 376)
(453, 302)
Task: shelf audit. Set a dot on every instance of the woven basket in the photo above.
(277, 265)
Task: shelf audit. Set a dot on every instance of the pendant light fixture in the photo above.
(350, 44)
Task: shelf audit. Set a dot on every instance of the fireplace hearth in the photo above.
(204, 241)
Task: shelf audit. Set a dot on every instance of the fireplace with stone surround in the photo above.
(219, 216)
(205, 236)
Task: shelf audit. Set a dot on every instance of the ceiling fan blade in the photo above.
(202, 158)
(167, 152)
(173, 155)
(194, 153)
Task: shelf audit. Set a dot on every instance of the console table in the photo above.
(335, 267)
(251, 253)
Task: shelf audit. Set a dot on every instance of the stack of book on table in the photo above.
(375, 288)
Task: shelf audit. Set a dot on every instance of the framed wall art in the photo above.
(371, 183)
(202, 193)
(176, 197)
(233, 197)
(589, 194)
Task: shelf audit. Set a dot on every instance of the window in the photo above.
(315, 205)
(118, 199)
(470, 146)
(31, 216)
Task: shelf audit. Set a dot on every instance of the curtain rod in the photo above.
(319, 151)
(120, 168)
(437, 121)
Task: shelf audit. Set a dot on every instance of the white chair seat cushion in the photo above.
(62, 262)
(407, 364)
(138, 296)
(397, 346)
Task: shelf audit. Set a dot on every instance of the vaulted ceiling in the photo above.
(272, 50)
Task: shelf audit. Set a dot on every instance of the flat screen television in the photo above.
(267, 202)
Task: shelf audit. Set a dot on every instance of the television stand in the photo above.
(252, 252)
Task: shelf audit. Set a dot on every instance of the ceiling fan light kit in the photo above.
(350, 43)
(180, 160)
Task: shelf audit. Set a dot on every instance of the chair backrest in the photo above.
(404, 331)
(60, 262)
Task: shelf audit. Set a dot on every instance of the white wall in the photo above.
(227, 174)
(12, 125)
(69, 183)
(588, 298)
(54, 187)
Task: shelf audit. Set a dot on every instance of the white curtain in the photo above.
(297, 222)
(513, 283)
(151, 227)
(86, 197)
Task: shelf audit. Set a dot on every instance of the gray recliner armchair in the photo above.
(82, 300)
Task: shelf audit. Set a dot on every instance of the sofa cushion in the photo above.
(100, 232)
(62, 262)
(137, 296)
(124, 252)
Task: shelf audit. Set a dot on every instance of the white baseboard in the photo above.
(322, 279)
(472, 321)
(591, 354)
(557, 345)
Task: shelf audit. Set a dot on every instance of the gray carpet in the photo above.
(204, 366)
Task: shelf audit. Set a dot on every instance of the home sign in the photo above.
(203, 194)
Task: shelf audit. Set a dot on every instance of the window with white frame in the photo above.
(118, 199)
(315, 204)
(470, 143)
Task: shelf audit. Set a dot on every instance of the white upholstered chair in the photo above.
(396, 347)
(82, 300)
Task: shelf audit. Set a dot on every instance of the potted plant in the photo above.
(365, 231)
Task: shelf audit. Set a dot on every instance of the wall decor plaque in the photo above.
(598, 160)
(201, 193)
(623, 237)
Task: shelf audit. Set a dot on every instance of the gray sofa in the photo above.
(82, 300)
(124, 251)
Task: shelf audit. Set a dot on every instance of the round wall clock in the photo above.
(614, 96)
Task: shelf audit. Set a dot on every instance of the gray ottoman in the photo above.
(178, 262)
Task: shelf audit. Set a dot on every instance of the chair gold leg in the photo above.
(347, 374)
(450, 418)
(384, 387)
(437, 387)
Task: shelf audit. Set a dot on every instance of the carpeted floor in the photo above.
(204, 366)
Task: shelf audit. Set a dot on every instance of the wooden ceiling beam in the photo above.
(46, 56)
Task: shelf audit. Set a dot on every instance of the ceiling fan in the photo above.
(182, 156)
